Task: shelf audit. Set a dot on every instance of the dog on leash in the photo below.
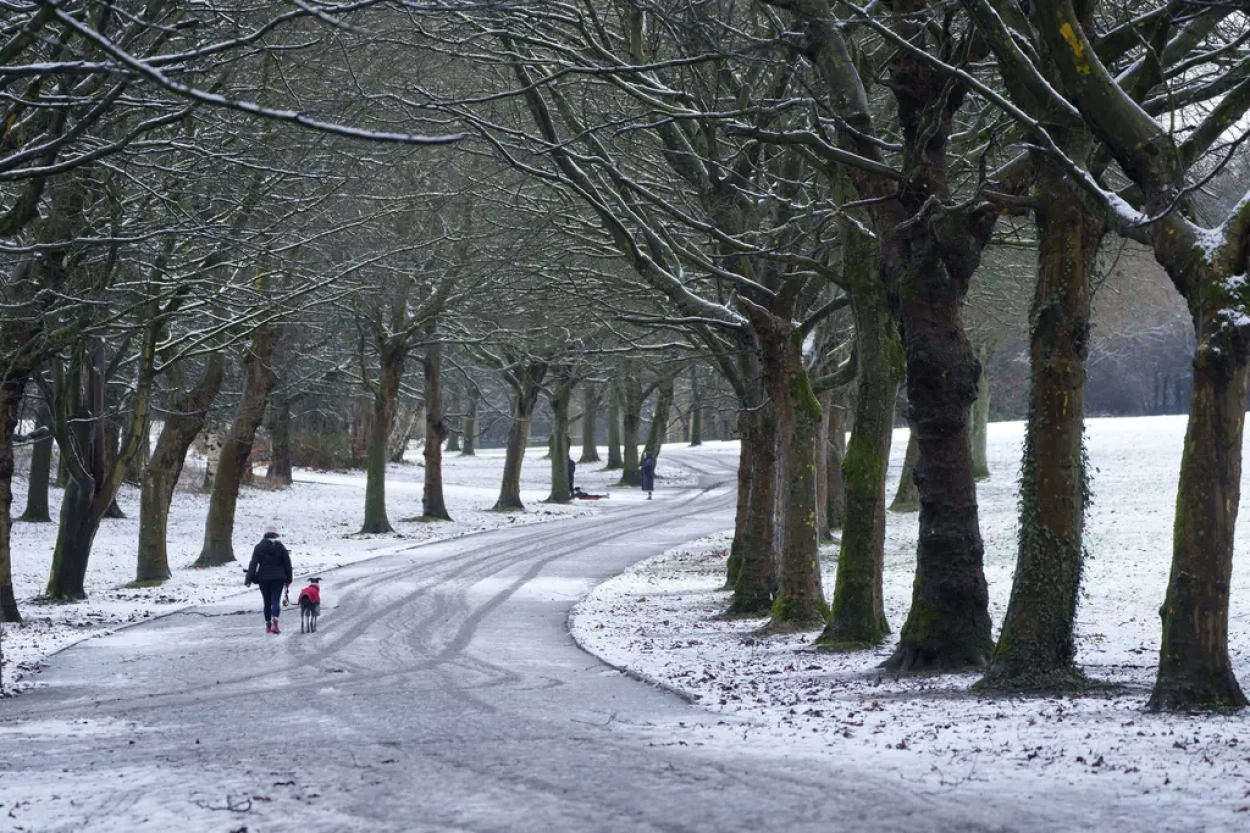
(310, 606)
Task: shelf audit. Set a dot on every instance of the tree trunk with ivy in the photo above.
(1036, 648)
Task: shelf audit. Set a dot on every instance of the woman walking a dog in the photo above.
(271, 569)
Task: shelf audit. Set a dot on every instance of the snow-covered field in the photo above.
(319, 518)
(1162, 772)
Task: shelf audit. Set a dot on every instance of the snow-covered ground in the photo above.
(319, 518)
(1161, 772)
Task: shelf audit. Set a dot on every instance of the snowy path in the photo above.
(442, 693)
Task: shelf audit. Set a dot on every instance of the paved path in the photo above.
(442, 693)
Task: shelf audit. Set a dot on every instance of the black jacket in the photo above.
(270, 561)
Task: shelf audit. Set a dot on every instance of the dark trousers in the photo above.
(271, 592)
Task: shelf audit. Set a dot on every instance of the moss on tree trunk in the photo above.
(1194, 667)
(948, 625)
(1035, 649)
(835, 454)
(799, 602)
(857, 617)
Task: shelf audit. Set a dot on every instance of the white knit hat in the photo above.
(270, 529)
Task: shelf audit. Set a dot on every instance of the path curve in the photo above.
(442, 693)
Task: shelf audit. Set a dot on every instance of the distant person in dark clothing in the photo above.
(647, 469)
(271, 569)
(572, 471)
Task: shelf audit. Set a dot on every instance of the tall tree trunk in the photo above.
(835, 491)
(907, 495)
(470, 429)
(111, 441)
(95, 476)
(526, 387)
(591, 398)
(75, 536)
(948, 626)
(822, 467)
(615, 460)
(658, 432)
(403, 422)
(752, 549)
(631, 424)
(433, 507)
(696, 408)
(392, 354)
(259, 378)
(745, 470)
(82, 416)
(279, 474)
(62, 469)
(857, 618)
(455, 425)
(11, 388)
(134, 471)
(1194, 667)
(40, 474)
(981, 420)
(799, 603)
(561, 488)
(1035, 649)
(182, 425)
